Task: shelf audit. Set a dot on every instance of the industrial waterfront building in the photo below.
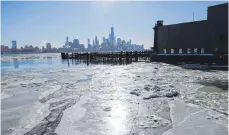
(198, 37)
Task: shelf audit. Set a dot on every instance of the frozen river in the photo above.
(43, 95)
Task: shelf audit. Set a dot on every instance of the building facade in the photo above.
(199, 37)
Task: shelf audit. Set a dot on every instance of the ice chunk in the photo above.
(135, 93)
(151, 96)
(146, 87)
(172, 94)
(191, 120)
(107, 109)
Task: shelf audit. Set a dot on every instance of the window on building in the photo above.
(202, 50)
(180, 51)
(188, 50)
(172, 51)
(164, 50)
(195, 50)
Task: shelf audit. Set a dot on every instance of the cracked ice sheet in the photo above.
(70, 116)
(190, 119)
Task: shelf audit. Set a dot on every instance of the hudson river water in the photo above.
(42, 94)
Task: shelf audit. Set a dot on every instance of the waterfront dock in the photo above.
(126, 57)
(137, 56)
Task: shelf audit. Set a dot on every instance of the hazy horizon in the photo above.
(34, 23)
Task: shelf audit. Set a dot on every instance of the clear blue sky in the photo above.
(35, 23)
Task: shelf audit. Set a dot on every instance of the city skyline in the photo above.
(39, 22)
(108, 44)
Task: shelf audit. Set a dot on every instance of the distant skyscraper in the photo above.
(119, 41)
(31, 46)
(109, 38)
(130, 42)
(14, 44)
(75, 43)
(123, 43)
(43, 48)
(88, 44)
(112, 38)
(93, 42)
(104, 40)
(88, 41)
(66, 39)
(81, 47)
(114, 41)
(70, 44)
(66, 43)
(112, 31)
(48, 46)
(107, 41)
(96, 41)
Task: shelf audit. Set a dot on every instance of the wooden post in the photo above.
(120, 58)
(91, 55)
(87, 58)
(75, 56)
(63, 56)
(127, 58)
(103, 59)
(136, 56)
(67, 55)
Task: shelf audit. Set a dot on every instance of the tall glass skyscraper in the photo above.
(88, 41)
(14, 44)
(66, 39)
(112, 31)
(96, 41)
(66, 43)
(104, 40)
(112, 35)
(93, 43)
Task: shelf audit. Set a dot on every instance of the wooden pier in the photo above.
(129, 57)
(117, 57)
